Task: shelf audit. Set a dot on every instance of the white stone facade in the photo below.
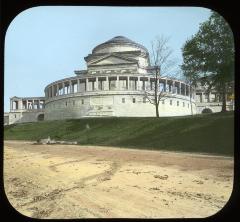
(211, 101)
(115, 83)
(25, 109)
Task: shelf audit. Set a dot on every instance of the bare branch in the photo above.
(161, 59)
(161, 95)
(149, 99)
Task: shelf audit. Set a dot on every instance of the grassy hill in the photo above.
(209, 133)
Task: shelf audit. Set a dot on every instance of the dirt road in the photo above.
(70, 181)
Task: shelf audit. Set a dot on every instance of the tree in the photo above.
(209, 56)
(161, 65)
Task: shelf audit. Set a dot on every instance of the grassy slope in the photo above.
(210, 133)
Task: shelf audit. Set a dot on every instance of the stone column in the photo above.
(108, 83)
(49, 93)
(70, 86)
(11, 104)
(138, 83)
(128, 79)
(26, 104)
(86, 86)
(96, 82)
(117, 83)
(53, 91)
(20, 104)
(180, 88)
(57, 89)
(33, 104)
(63, 85)
(173, 87)
(78, 85)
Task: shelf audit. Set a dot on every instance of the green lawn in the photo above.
(209, 133)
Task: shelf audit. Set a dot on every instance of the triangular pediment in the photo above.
(113, 60)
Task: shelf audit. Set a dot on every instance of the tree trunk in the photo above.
(224, 109)
(157, 111)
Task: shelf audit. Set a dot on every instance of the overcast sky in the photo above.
(44, 44)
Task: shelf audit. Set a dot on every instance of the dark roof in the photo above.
(120, 40)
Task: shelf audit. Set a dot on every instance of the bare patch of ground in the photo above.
(70, 181)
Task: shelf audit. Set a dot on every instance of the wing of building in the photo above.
(118, 82)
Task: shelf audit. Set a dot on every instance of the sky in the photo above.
(47, 43)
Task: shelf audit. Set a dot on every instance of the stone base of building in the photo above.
(118, 105)
(26, 116)
(213, 107)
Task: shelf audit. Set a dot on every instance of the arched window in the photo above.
(207, 110)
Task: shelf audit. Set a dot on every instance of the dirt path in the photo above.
(69, 181)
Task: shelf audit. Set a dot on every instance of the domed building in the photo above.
(115, 83)
(118, 82)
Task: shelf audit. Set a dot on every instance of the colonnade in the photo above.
(204, 97)
(30, 103)
(117, 82)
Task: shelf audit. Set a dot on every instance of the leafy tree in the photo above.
(209, 56)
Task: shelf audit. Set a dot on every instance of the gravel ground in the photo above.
(71, 181)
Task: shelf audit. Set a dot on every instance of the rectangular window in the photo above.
(123, 100)
(15, 116)
(66, 103)
(73, 102)
(183, 104)
(82, 101)
(170, 102)
(163, 102)
(188, 105)
(144, 100)
(177, 103)
(134, 100)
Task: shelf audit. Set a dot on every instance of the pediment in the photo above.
(113, 60)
